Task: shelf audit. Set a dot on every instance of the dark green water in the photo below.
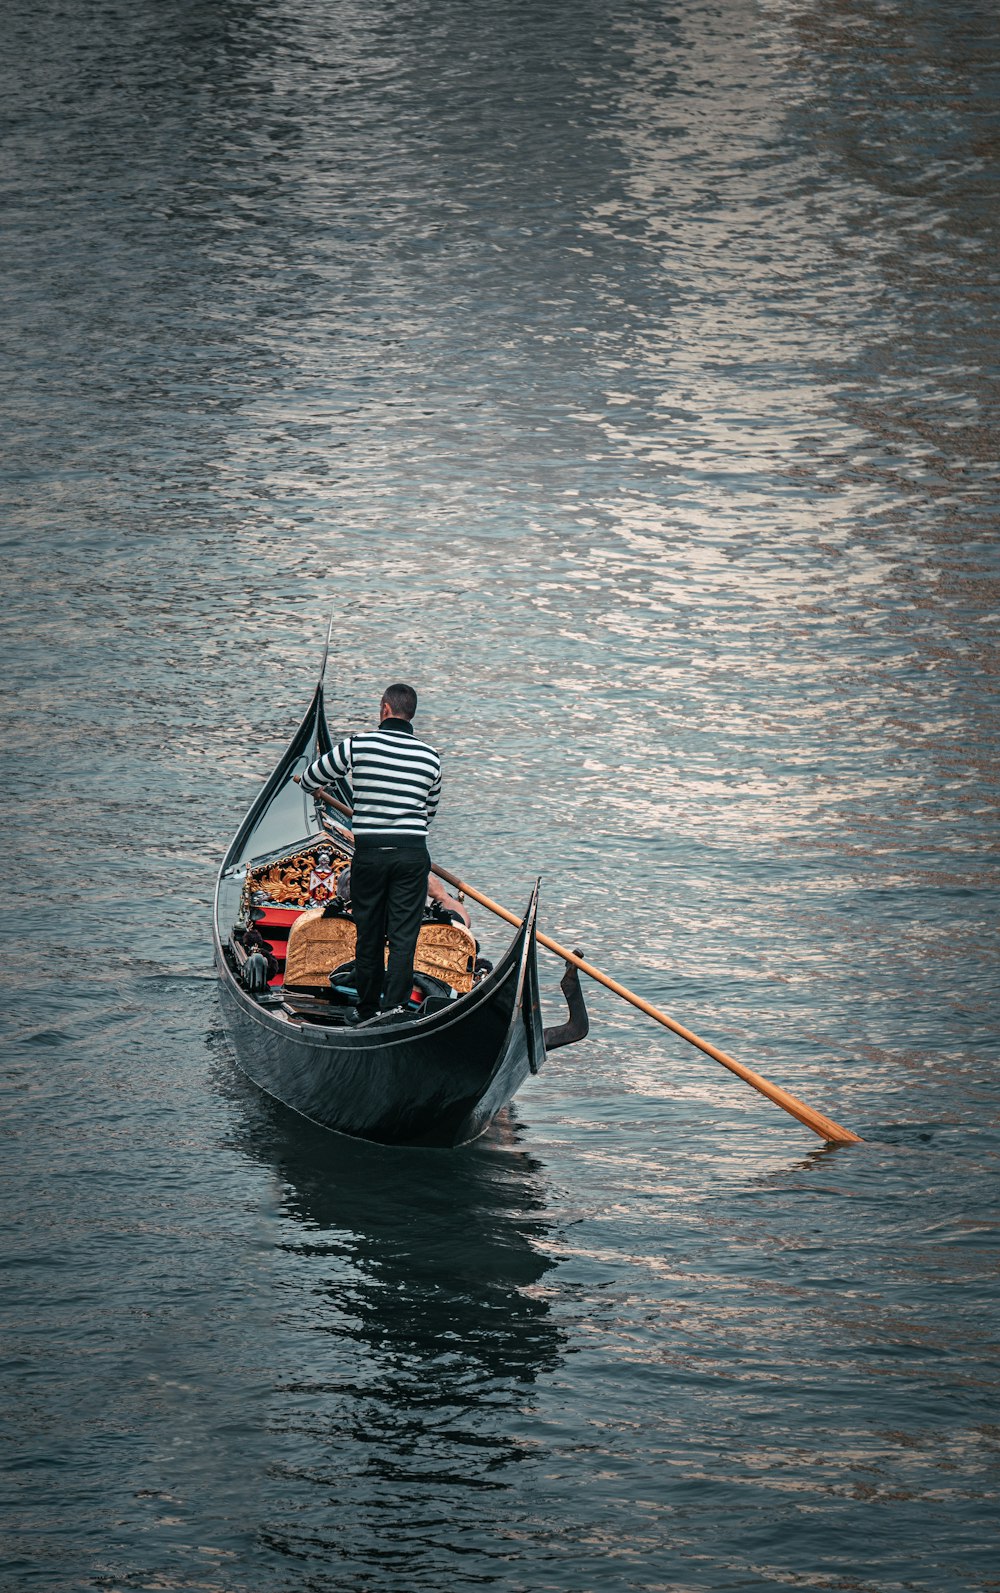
(626, 375)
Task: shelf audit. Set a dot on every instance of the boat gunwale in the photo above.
(397, 1033)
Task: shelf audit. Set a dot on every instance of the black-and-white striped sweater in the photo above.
(395, 779)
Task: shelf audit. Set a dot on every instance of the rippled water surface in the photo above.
(626, 377)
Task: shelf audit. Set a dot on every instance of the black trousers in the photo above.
(388, 891)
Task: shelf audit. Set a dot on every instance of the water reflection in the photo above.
(412, 1326)
(429, 1259)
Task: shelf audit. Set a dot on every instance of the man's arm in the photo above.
(434, 795)
(437, 893)
(328, 767)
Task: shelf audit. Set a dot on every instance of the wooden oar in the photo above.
(825, 1127)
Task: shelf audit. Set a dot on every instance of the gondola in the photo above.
(435, 1074)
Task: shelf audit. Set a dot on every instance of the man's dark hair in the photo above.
(401, 699)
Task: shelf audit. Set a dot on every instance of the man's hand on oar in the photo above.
(323, 795)
(825, 1127)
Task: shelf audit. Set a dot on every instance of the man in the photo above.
(396, 784)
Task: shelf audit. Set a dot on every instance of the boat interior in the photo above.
(293, 945)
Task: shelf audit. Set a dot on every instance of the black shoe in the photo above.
(350, 1015)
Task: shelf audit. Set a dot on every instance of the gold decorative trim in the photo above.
(284, 882)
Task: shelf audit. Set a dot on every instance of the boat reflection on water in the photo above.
(423, 1265)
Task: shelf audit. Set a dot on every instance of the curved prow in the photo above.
(577, 1026)
(280, 797)
(326, 648)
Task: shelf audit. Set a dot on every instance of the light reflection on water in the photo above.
(625, 381)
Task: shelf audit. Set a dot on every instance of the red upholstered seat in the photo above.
(277, 921)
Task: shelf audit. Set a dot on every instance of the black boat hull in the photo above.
(438, 1081)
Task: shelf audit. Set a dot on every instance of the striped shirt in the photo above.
(395, 781)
